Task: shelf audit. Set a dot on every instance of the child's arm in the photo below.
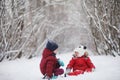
(59, 63)
(90, 65)
(71, 63)
(69, 67)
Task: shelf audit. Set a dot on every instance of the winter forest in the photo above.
(26, 25)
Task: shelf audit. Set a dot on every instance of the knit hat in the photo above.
(80, 50)
(51, 45)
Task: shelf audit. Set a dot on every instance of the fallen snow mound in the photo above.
(107, 68)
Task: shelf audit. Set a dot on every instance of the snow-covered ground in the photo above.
(107, 68)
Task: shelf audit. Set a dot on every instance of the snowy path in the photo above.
(107, 68)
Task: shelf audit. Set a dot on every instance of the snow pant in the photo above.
(75, 73)
(58, 71)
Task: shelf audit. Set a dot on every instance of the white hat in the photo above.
(80, 51)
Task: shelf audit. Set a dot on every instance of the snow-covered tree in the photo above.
(104, 18)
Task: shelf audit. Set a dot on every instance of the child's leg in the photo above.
(58, 71)
(75, 73)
